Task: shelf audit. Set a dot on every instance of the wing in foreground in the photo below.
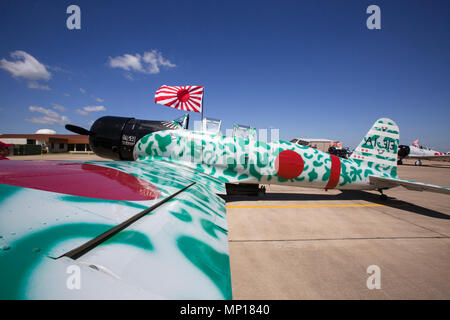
(74, 236)
(382, 183)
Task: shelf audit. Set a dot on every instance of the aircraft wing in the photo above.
(381, 182)
(111, 230)
(436, 158)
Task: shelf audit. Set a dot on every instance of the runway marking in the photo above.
(311, 206)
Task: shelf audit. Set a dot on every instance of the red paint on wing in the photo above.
(289, 164)
(335, 173)
(78, 179)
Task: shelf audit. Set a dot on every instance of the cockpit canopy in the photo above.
(244, 131)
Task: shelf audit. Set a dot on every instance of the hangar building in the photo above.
(320, 144)
(52, 143)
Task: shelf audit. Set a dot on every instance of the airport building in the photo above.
(24, 144)
(320, 144)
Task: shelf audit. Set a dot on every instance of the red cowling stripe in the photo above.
(335, 172)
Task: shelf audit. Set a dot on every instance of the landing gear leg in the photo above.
(262, 191)
(382, 195)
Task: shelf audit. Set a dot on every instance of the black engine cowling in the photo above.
(115, 137)
(403, 151)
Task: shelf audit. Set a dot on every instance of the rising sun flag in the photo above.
(187, 98)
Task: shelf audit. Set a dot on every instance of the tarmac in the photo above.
(300, 243)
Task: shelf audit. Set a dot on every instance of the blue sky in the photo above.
(309, 68)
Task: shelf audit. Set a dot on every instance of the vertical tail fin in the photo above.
(380, 146)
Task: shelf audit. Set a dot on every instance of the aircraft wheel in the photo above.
(399, 162)
(383, 197)
(418, 163)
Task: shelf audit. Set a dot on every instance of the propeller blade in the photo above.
(77, 129)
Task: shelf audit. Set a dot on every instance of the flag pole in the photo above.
(202, 101)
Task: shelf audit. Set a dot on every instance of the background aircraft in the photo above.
(414, 151)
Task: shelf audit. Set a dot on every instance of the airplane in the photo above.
(152, 226)
(414, 151)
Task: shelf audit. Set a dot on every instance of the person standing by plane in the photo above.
(4, 150)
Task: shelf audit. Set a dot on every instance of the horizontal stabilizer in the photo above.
(380, 182)
(435, 158)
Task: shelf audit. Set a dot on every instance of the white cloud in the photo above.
(48, 120)
(82, 90)
(59, 107)
(155, 59)
(28, 67)
(127, 62)
(99, 100)
(47, 112)
(58, 69)
(85, 110)
(82, 112)
(129, 76)
(94, 108)
(25, 66)
(36, 85)
(67, 95)
(50, 117)
(150, 62)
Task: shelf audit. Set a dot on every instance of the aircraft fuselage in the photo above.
(236, 159)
